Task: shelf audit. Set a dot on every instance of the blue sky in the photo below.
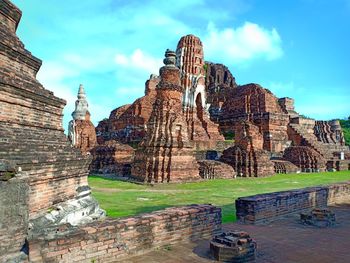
(295, 48)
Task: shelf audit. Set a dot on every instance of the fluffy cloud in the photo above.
(139, 60)
(243, 44)
(52, 76)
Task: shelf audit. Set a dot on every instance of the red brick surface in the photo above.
(117, 239)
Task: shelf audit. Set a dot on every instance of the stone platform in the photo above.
(285, 240)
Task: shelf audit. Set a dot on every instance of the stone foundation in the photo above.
(338, 165)
(209, 169)
(114, 239)
(268, 207)
(13, 218)
(306, 158)
(236, 247)
(318, 218)
(284, 167)
(112, 157)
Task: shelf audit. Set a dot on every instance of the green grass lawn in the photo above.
(121, 199)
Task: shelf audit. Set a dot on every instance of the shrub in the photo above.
(345, 124)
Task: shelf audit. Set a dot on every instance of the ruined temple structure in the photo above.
(269, 135)
(127, 124)
(166, 152)
(219, 84)
(190, 61)
(81, 131)
(112, 157)
(325, 141)
(45, 179)
(124, 129)
(247, 157)
(290, 140)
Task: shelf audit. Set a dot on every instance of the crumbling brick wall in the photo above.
(115, 239)
(268, 207)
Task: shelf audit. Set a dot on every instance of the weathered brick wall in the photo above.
(112, 157)
(13, 217)
(268, 207)
(46, 192)
(114, 239)
(31, 133)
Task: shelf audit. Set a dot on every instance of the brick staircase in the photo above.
(308, 139)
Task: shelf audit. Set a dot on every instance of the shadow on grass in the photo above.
(136, 212)
(150, 209)
(125, 179)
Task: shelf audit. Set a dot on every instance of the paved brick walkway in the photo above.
(283, 241)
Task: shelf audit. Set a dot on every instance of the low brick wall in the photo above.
(114, 239)
(268, 207)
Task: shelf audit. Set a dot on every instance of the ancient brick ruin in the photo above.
(247, 157)
(81, 131)
(116, 239)
(235, 246)
(46, 178)
(127, 123)
(166, 153)
(112, 157)
(219, 83)
(264, 208)
(46, 208)
(210, 109)
(190, 61)
(175, 133)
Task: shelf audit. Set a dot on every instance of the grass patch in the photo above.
(121, 199)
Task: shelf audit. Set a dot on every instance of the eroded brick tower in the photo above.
(166, 153)
(190, 61)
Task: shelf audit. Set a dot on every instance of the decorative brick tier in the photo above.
(166, 153)
(112, 157)
(210, 169)
(268, 207)
(112, 239)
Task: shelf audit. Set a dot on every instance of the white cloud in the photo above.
(139, 60)
(98, 59)
(51, 75)
(242, 44)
